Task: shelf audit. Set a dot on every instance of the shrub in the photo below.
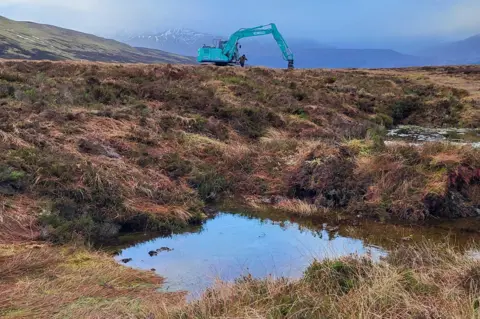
(6, 91)
(11, 180)
(330, 80)
(403, 108)
(175, 165)
(210, 184)
(384, 119)
(299, 95)
(366, 105)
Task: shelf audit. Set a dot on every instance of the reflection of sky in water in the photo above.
(232, 245)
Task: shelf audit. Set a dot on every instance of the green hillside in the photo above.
(33, 41)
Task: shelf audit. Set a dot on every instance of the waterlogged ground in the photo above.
(418, 134)
(232, 245)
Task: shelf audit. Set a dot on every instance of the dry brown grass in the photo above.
(422, 281)
(73, 282)
(18, 219)
(182, 136)
(419, 282)
(299, 207)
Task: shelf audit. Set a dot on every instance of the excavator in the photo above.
(226, 52)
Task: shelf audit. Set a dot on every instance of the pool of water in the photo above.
(230, 245)
(418, 135)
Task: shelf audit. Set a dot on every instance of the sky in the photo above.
(357, 23)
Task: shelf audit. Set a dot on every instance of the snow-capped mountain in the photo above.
(180, 41)
(264, 51)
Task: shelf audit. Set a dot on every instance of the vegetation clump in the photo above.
(99, 149)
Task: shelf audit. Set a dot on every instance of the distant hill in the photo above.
(343, 58)
(460, 52)
(33, 41)
(265, 52)
(179, 41)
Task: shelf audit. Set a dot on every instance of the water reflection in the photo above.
(232, 245)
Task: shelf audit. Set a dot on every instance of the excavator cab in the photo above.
(213, 54)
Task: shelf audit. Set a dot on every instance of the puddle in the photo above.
(418, 135)
(231, 245)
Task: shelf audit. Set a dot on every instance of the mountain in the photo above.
(179, 41)
(343, 58)
(33, 41)
(265, 52)
(187, 42)
(466, 51)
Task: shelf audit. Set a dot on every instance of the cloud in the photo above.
(83, 5)
(332, 20)
(464, 16)
(460, 18)
(85, 15)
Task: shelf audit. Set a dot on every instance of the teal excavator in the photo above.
(226, 52)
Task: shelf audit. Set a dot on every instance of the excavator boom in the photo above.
(227, 51)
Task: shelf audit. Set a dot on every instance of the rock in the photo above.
(126, 260)
(153, 269)
(164, 249)
(96, 148)
(152, 253)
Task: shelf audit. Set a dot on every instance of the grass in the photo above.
(73, 282)
(26, 40)
(424, 280)
(103, 148)
(295, 206)
(88, 150)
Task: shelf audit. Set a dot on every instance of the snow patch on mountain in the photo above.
(179, 35)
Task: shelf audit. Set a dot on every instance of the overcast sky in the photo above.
(366, 21)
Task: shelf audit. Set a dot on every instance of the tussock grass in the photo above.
(299, 207)
(72, 282)
(411, 182)
(94, 140)
(424, 281)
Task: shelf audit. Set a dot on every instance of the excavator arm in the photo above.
(230, 48)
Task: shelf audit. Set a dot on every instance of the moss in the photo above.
(333, 276)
